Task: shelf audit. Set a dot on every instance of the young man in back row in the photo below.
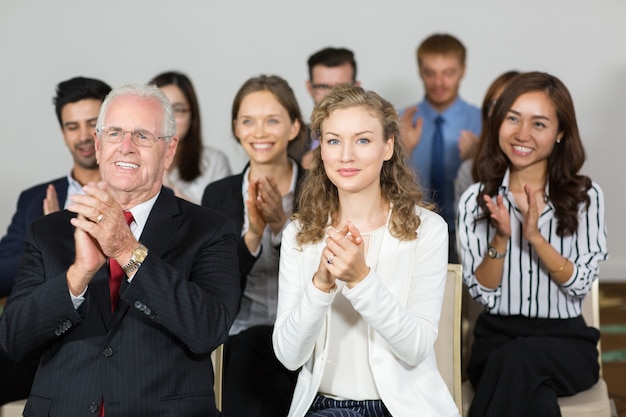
(442, 129)
(77, 104)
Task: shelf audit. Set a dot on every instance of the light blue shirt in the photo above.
(459, 116)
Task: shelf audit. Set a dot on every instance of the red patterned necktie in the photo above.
(115, 271)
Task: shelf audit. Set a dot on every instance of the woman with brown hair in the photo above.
(266, 120)
(362, 272)
(532, 233)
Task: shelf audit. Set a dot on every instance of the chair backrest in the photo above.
(591, 313)
(448, 343)
(591, 306)
(217, 357)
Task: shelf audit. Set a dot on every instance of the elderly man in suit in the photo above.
(77, 104)
(141, 346)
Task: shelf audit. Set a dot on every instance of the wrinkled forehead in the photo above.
(134, 112)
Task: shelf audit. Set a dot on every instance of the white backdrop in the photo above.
(220, 44)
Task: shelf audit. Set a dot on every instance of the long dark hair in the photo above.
(568, 189)
(189, 151)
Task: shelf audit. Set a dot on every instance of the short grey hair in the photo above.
(168, 125)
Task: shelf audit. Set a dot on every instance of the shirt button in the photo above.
(108, 352)
(377, 361)
(93, 407)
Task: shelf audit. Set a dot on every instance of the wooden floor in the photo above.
(613, 341)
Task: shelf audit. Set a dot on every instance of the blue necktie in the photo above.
(437, 163)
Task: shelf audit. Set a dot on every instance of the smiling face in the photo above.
(530, 131)
(441, 75)
(135, 173)
(78, 122)
(353, 150)
(264, 129)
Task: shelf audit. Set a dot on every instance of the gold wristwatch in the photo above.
(138, 256)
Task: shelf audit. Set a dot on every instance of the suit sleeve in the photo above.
(225, 197)
(40, 310)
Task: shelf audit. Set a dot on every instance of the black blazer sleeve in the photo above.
(29, 208)
(225, 196)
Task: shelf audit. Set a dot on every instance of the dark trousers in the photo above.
(328, 407)
(255, 382)
(453, 256)
(519, 366)
(16, 378)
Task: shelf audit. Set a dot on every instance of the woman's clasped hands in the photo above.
(343, 258)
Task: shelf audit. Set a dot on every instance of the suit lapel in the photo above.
(163, 222)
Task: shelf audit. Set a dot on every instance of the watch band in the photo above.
(136, 259)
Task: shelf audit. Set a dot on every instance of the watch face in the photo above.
(493, 253)
(140, 254)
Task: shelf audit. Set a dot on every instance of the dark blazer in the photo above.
(226, 197)
(152, 356)
(29, 207)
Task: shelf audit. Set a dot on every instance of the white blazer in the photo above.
(401, 303)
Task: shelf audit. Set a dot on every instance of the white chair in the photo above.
(15, 408)
(217, 357)
(593, 402)
(448, 343)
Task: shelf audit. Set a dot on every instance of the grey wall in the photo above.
(221, 44)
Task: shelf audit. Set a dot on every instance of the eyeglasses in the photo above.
(180, 111)
(140, 137)
(328, 87)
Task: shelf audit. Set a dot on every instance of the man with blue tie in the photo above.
(441, 130)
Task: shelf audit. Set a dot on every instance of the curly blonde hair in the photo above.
(319, 199)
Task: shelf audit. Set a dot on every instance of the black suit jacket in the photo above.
(226, 197)
(29, 208)
(152, 356)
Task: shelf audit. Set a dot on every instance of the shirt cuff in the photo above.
(276, 239)
(78, 300)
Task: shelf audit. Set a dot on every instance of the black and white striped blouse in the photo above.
(526, 288)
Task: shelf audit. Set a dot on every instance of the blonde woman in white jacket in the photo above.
(362, 273)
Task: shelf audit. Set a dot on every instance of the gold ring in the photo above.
(99, 218)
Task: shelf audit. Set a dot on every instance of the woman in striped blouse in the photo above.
(532, 233)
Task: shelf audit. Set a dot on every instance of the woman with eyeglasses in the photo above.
(195, 165)
(532, 234)
(266, 121)
(362, 272)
